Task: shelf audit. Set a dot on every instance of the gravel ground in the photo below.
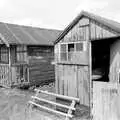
(14, 106)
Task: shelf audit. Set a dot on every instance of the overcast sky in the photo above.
(54, 14)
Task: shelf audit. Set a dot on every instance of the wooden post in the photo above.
(28, 75)
(70, 111)
(10, 77)
(90, 71)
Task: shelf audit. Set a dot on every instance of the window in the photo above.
(21, 53)
(69, 50)
(79, 46)
(4, 55)
(63, 52)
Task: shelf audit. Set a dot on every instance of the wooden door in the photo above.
(106, 101)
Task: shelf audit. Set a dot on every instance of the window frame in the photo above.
(21, 49)
(67, 52)
(4, 52)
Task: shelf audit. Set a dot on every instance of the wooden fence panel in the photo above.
(106, 101)
(5, 75)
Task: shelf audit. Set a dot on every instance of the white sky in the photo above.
(54, 13)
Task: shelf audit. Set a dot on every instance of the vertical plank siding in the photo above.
(19, 61)
(80, 32)
(115, 61)
(5, 75)
(106, 97)
(99, 31)
(72, 76)
(72, 80)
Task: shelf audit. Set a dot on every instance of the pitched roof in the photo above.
(113, 25)
(18, 34)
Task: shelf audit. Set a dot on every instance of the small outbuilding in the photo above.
(87, 50)
(26, 55)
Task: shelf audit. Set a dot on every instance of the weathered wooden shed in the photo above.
(26, 54)
(87, 50)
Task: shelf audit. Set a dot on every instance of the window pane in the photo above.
(64, 56)
(70, 47)
(21, 53)
(79, 46)
(63, 47)
(70, 51)
(63, 52)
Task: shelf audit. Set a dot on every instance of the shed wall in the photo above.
(80, 32)
(41, 69)
(99, 31)
(73, 75)
(73, 80)
(114, 61)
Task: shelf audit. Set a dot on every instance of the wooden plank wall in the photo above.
(73, 80)
(99, 31)
(41, 70)
(72, 77)
(80, 32)
(106, 101)
(18, 62)
(115, 61)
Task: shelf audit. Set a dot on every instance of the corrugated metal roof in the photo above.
(18, 34)
(113, 25)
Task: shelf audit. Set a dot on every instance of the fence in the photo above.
(5, 79)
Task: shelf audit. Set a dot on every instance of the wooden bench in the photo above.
(70, 108)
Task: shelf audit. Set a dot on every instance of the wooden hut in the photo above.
(87, 50)
(26, 54)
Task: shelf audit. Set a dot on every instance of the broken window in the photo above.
(68, 50)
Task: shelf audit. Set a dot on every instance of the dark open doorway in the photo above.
(100, 60)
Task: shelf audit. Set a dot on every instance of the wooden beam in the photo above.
(60, 96)
(54, 103)
(90, 71)
(70, 111)
(52, 110)
(10, 74)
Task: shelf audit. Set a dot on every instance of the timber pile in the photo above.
(52, 105)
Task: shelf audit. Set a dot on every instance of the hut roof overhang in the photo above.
(111, 24)
(27, 35)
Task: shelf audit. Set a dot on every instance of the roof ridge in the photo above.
(37, 27)
(111, 24)
(103, 20)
